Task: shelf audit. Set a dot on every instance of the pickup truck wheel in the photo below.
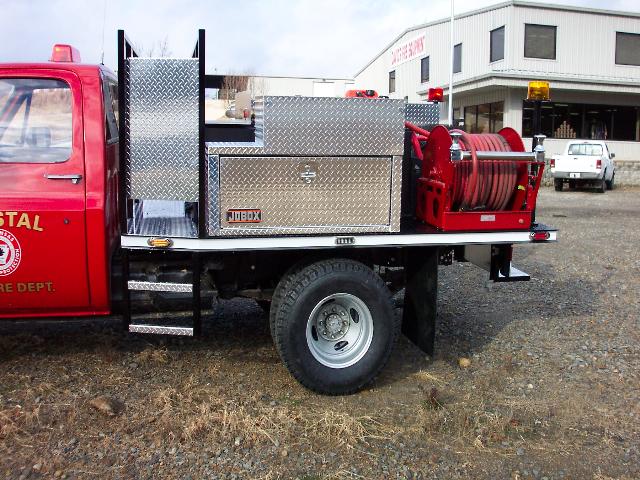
(558, 185)
(610, 183)
(335, 327)
(602, 186)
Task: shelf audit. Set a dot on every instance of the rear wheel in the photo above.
(335, 327)
(558, 185)
(602, 186)
(610, 183)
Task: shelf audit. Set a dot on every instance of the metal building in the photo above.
(302, 86)
(590, 57)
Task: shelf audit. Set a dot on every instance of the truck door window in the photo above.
(35, 120)
(110, 94)
(113, 90)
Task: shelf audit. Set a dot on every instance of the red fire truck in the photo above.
(321, 208)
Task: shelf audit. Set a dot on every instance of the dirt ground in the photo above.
(552, 391)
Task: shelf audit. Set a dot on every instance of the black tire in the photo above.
(284, 286)
(558, 184)
(306, 289)
(611, 183)
(602, 186)
(265, 305)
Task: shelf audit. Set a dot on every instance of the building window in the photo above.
(540, 41)
(584, 121)
(457, 58)
(485, 118)
(496, 45)
(458, 122)
(424, 70)
(627, 48)
(392, 81)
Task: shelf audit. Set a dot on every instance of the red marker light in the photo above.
(361, 94)
(539, 236)
(436, 95)
(65, 53)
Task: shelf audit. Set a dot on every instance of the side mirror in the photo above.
(612, 155)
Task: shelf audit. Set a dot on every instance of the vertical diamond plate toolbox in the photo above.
(162, 127)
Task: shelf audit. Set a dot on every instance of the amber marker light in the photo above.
(538, 90)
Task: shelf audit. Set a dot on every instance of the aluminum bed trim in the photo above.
(338, 241)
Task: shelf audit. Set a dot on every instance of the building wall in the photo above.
(472, 31)
(585, 42)
(585, 48)
(306, 87)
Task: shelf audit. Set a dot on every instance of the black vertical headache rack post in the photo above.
(125, 50)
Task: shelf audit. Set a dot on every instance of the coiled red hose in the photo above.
(483, 185)
(477, 185)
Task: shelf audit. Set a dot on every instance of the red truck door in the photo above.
(43, 264)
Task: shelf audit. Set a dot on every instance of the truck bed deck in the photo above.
(413, 235)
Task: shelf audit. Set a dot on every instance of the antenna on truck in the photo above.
(104, 20)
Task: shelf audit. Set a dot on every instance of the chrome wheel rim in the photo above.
(339, 330)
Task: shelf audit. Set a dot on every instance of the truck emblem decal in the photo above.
(10, 253)
(244, 215)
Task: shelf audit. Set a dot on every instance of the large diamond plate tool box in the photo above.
(318, 165)
(297, 195)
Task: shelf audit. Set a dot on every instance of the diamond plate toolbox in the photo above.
(298, 195)
(162, 127)
(323, 126)
(422, 113)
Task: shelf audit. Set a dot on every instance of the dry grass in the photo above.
(193, 415)
(477, 425)
(153, 355)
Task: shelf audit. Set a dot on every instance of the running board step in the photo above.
(160, 286)
(160, 330)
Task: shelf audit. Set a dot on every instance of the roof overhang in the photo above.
(519, 80)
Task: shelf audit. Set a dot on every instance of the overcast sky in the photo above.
(319, 38)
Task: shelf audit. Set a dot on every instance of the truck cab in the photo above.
(58, 186)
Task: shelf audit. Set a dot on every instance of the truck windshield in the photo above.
(585, 149)
(35, 120)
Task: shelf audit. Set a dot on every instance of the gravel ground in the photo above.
(551, 391)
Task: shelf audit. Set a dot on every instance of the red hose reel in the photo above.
(488, 183)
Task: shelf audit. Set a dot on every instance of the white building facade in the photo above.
(590, 57)
(302, 86)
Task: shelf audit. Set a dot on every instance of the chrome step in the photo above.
(160, 286)
(160, 330)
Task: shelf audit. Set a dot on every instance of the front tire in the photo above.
(335, 327)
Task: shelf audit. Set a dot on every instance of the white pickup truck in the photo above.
(584, 162)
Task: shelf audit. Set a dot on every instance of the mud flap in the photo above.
(421, 291)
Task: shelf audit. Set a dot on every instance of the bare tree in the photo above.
(258, 87)
(158, 49)
(232, 84)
